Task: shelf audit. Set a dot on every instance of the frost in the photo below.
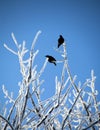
(71, 107)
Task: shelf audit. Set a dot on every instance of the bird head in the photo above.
(60, 35)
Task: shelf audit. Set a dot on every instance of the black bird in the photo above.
(51, 59)
(60, 41)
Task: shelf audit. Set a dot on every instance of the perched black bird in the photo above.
(51, 59)
(60, 41)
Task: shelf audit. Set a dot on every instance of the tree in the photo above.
(73, 106)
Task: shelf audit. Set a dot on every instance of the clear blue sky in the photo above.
(77, 20)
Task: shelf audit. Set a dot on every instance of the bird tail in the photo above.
(54, 63)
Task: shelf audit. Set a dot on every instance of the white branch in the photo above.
(14, 39)
(10, 49)
(34, 41)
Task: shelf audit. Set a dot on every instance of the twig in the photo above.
(71, 80)
(72, 107)
(92, 125)
(8, 123)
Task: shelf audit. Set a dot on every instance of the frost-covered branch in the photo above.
(73, 106)
(7, 122)
(71, 80)
(92, 124)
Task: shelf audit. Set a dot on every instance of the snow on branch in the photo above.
(73, 105)
(34, 41)
(10, 49)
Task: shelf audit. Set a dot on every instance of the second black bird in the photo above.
(51, 59)
(60, 41)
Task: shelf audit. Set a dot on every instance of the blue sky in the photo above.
(78, 21)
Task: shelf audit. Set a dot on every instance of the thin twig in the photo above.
(7, 122)
(92, 124)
